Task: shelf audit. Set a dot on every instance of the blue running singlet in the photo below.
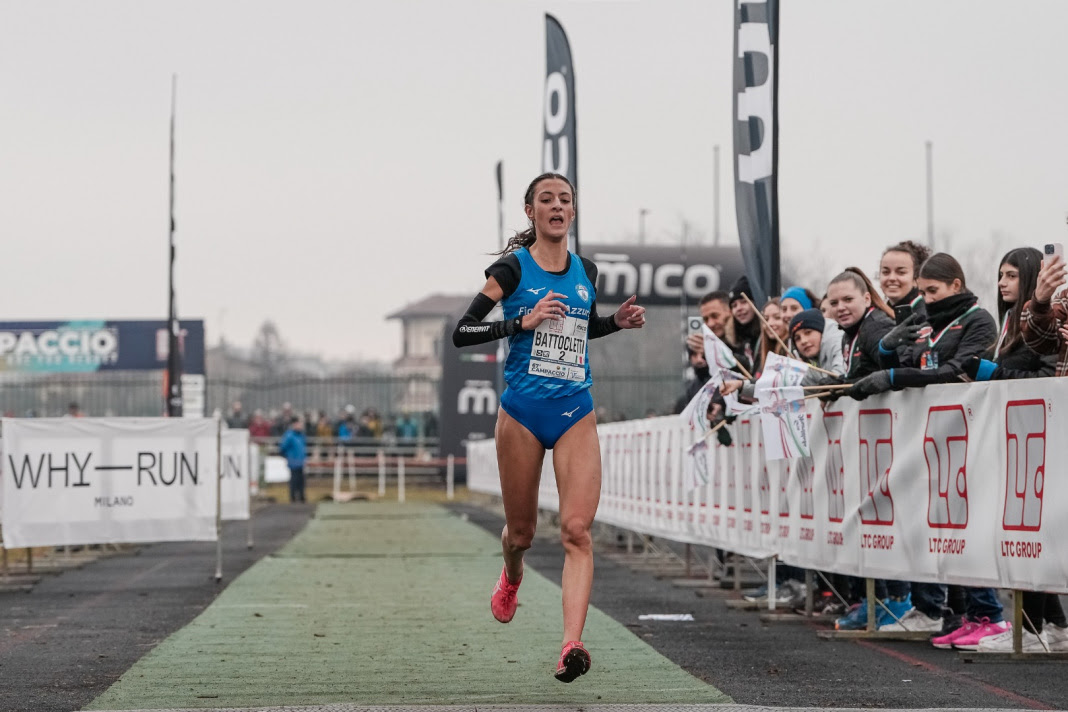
(548, 371)
(549, 361)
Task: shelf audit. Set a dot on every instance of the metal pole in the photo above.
(641, 225)
(400, 478)
(929, 146)
(771, 585)
(1017, 622)
(218, 497)
(337, 473)
(381, 473)
(248, 467)
(869, 588)
(29, 560)
(450, 476)
(715, 194)
(350, 463)
(810, 584)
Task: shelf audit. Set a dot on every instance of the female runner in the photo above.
(549, 300)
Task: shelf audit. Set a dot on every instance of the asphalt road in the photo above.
(786, 664)
(68, 640)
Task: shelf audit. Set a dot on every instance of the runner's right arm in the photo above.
(471, 330)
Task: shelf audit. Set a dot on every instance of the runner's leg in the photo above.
(519, 459)
(577, 460)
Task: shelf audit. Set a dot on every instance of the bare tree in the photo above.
(268, 350)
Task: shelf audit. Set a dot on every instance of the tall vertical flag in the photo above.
(174, 353)
(756, 141)
(559, 149)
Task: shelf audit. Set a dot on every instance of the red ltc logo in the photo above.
(835, 472)
(945, 446)
(876, 456)
(1025, 466)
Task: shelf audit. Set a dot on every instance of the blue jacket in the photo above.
(294, 448)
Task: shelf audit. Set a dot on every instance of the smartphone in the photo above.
(1054, 249)
(693, 325)
(902, 312)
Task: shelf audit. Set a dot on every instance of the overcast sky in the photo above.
(335, 159)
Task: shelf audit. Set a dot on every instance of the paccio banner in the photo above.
(943, 484)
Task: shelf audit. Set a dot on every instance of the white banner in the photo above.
(944, 484)
(108, 480)
(236, 475)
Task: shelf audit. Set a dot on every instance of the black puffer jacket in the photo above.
(960, 330)
(1019, 361)
(860, 344)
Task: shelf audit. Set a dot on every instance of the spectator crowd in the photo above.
(921, 325)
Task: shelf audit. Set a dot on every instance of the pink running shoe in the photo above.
(945, 642)
(984, 629)
(503, 602)
(574, 661)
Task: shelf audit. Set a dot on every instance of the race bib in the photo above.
(559, 349)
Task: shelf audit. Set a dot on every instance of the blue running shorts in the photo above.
(547, 418)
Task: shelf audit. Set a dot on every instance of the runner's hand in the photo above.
(630, 315)
(1052, 275)
(549, 307)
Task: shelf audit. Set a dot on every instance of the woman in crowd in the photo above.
(898, 271)
(864, 319)
(818, 343)
(959, 330)
(771, 334)
(549, 299)
(746, 333)
(1045, 625)
(796, 300)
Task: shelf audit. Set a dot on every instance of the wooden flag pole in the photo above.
(783, 343)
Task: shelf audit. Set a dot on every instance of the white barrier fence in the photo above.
(945, 484)
(120, 480)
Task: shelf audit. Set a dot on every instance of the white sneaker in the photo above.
(1002, 643)
(1056, 637)
(913, 621)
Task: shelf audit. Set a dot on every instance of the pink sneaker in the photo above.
(984, 629)
(503, 602)
(945, 642)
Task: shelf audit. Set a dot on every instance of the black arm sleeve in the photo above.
(471, 330)
(599, 325)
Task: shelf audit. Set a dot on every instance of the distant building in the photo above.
(423, 326)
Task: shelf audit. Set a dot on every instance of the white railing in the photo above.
(945, 484)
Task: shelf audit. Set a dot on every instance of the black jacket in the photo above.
(960, 333)
(1021, 362)
(864, 359)
(747, 343)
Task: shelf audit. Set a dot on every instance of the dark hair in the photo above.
(717, 296)
(917, 252)
(528, 236)
(856, 276)
(941, 267)
(1028, 261)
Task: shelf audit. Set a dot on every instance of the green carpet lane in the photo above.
(380, 603)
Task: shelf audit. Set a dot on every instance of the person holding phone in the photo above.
(1043, 319)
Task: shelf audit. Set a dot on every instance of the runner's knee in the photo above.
(519, 538)
(575, 533)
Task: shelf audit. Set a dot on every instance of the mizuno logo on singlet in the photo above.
(537, 291)
(572, 413)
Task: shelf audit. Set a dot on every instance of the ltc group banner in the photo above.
(945, 484)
